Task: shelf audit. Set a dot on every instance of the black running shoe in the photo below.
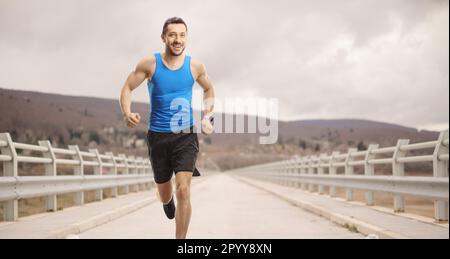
(196, 173)
(169, 209)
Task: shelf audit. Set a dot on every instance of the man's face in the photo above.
(175, 39)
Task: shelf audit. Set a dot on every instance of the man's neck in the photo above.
(171, 59)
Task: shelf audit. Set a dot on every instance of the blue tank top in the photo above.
(170, 93)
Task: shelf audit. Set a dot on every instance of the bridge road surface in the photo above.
(224, 207)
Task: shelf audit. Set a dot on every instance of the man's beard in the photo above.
(168, 49)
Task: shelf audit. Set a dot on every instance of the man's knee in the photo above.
(183, 192)
(165, 191)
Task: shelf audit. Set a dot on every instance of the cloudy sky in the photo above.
(384, 60)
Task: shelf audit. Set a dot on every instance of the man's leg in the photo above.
(183, 213)
(165, 191)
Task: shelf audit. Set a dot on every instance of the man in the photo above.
(172, 143)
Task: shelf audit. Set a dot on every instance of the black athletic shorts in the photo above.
(172, 153)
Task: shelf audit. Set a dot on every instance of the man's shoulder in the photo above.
(150, 59)
(147, 63)
(197, 64)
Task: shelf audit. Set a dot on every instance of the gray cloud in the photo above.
(382, 60)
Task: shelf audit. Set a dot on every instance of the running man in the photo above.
(172, 142)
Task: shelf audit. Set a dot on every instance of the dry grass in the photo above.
(413, 205)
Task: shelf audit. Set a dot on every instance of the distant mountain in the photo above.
(353, 130)
(37, 110)
(86, 121)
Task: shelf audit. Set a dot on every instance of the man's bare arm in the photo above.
(208, 98)
(208, 89)
(134, 80)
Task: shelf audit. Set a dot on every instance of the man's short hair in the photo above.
(173, 20)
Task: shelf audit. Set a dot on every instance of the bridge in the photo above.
(296, 198)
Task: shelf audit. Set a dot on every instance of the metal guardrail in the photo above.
(316, 172)
(128, 172)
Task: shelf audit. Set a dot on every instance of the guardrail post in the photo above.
(114, 190)
(139, 166)
(273, 170)
(349, 171)
(290, 172)
(50, 170)
(279, 172)
(320, 171)
(303, 172)
(10, 168)
(311, 187)
(440, 169)
(78, 170)
(297, 169)
(294, 167)
(140, 162)
(287, 165)
(333, 171)
(279, 179)
(126, 189)
(282, 172)
(398, 169)
(133, 167)
(369, 170)
(98, 170)
(286, 172)
(147, 172)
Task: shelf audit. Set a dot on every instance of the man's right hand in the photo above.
(208, 123)
(132, 119)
